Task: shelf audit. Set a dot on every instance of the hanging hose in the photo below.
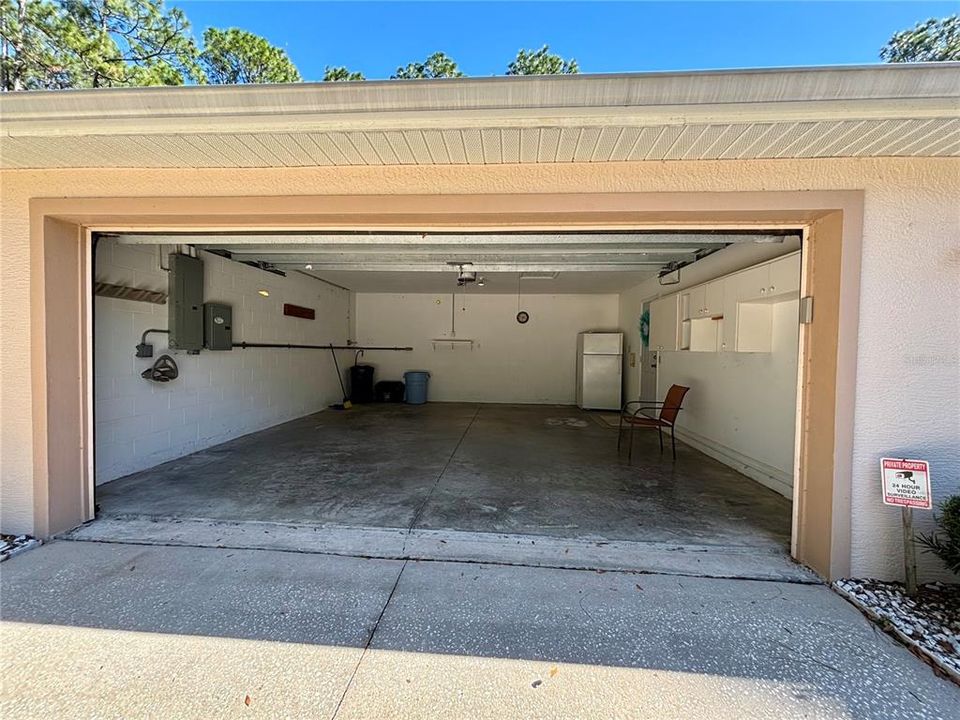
(163, 370)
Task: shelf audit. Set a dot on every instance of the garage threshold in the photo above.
(487, 548)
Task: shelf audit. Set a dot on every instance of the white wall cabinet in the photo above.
(665, 323)
(704, 300)
(785, 276)
(729, 314)
(750, 284)
(713, 298)
(694, 303)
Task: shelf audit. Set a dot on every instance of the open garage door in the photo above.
(507, 337)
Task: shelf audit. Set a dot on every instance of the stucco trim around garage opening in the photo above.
(897, 195)
(59, 437)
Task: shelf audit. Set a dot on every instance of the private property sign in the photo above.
(906, 483)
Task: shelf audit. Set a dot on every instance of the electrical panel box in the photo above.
(217, 326)
(185, 303)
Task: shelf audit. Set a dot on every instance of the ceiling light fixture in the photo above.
(308, 267)
(265, 293)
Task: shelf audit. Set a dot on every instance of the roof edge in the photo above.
(895, 91)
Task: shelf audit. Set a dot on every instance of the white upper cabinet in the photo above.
(747, 297)
(703, 300)
(751, 284)
(713, 298)
(729, 314)
(694, 306)
(785, 276)
(665, 323)
(780, 277)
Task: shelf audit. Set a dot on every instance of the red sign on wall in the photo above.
(906, 483)
(299, 311)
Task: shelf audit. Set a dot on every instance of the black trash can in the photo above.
(361, 384)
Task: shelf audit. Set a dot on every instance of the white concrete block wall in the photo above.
(742, 407)
(508, 362)
(218, 395)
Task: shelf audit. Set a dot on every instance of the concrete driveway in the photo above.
(116, 630)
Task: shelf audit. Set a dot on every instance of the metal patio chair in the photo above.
(667, 411)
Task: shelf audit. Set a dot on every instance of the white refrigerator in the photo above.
(599, 370)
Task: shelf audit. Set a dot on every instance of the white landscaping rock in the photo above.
(11, 545)
(929, 623)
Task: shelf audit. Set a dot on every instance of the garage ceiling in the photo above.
(536, 262)
(496, 283)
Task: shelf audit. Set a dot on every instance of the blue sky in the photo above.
(376, 37)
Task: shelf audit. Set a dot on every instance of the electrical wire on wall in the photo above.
(463, 298)
(522, 315)
(453, 314)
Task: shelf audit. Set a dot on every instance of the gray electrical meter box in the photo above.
(217, 326)
(185, 305)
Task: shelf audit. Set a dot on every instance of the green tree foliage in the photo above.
(541, 62)
(341, 74)
(234, 56)
(930, 41)
(94, 43)
(27, 57)
(53, 44)
(437, 65)
(945, 542)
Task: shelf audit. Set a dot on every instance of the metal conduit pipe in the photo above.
(291, 346)
(145, 349)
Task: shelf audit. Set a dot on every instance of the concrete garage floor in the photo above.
(519, 469)
(115, 630)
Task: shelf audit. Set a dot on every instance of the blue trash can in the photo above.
(416, 386)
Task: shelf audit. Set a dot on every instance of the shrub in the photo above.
(944, 542)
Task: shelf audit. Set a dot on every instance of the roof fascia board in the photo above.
(280, 121)
(888, 92)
